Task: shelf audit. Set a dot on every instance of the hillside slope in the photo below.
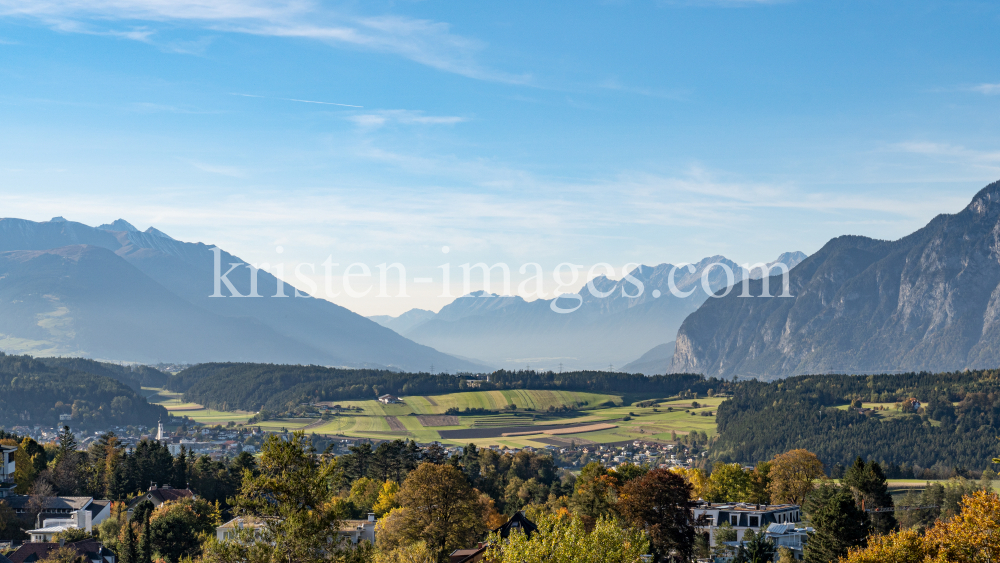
(294, 330)
(615, 326)
(929, 301)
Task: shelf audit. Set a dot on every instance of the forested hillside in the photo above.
(33, 392)
(135, 376)
(280, 387)
(956, 424)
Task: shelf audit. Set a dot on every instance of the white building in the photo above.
(743, 516)
(7, 470)
(78, 520)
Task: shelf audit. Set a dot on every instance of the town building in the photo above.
(356, 531)
(68, 512)
(7, 465)
(743, 516)
(91, 550)
(160, 495)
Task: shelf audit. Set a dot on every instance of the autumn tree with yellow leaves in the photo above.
(973, 536)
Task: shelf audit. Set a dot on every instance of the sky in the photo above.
(518, 132)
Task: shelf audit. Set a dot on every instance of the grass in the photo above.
(645, 423)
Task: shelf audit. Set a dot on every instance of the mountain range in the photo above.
(115, 293)
(929, 301)
(615, 323)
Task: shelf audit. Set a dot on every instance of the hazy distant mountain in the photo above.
(929, 301)
(509, 332)
(119, 294)
(656, 361)
(404, 322)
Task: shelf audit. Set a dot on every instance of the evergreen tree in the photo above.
(838, 522)
(757, 549)
(871, 491)
(144, 550)
(129, 552)
(179, 473)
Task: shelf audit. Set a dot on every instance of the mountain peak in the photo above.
(986, 200)
(119, 225)
(159, 233)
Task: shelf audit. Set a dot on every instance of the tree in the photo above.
(175, 528)
(292, 497)
(71, 535)
(868, 484)
(697, 479)
(657, 503)
(595, 492)
(386, 499)
(64, 555)
(729, 483)
(128, 551)
(364, 494)
(760, 481)
(564, 539)
(792, 474)
(412, 553)
(839, 524)
(971, 536)
(629, 471)
(438, 506)
(904, 546)
(757, 549)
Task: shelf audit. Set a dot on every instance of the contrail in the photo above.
(295, 100)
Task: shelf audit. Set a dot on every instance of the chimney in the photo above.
(371, 516)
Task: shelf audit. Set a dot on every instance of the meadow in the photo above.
(592, 418)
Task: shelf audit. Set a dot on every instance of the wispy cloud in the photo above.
(231, 171)
(299, 101)
(406, 117)
(668, 94)
(988, 89)
(426, 42)
(951, 152)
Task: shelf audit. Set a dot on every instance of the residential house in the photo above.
(84, 512)
(353, 531)
(388, 399)
(472, 555)
(229, 530)
(160, 495)
(743, 516)
(356, 531)
(7, 464)
(517, 522)
(91, 550)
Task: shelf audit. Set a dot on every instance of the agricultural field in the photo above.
(595, 418)
(175, 406)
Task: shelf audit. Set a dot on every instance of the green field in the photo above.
(532, 410)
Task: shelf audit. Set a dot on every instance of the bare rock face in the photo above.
(929, 301)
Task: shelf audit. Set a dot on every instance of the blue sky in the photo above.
(579, 132)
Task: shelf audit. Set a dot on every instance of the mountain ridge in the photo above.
(927, 301)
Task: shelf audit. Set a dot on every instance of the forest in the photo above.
(33, 391)
(278, 388)
(951, 426)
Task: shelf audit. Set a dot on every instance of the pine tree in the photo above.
(838, 522)
(129, 552)
(145, 547)
(179, 475)
(868, 484)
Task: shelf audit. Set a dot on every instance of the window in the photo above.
(754, 521)
(734, 520)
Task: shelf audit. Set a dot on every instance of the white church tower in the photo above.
(159, 431)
